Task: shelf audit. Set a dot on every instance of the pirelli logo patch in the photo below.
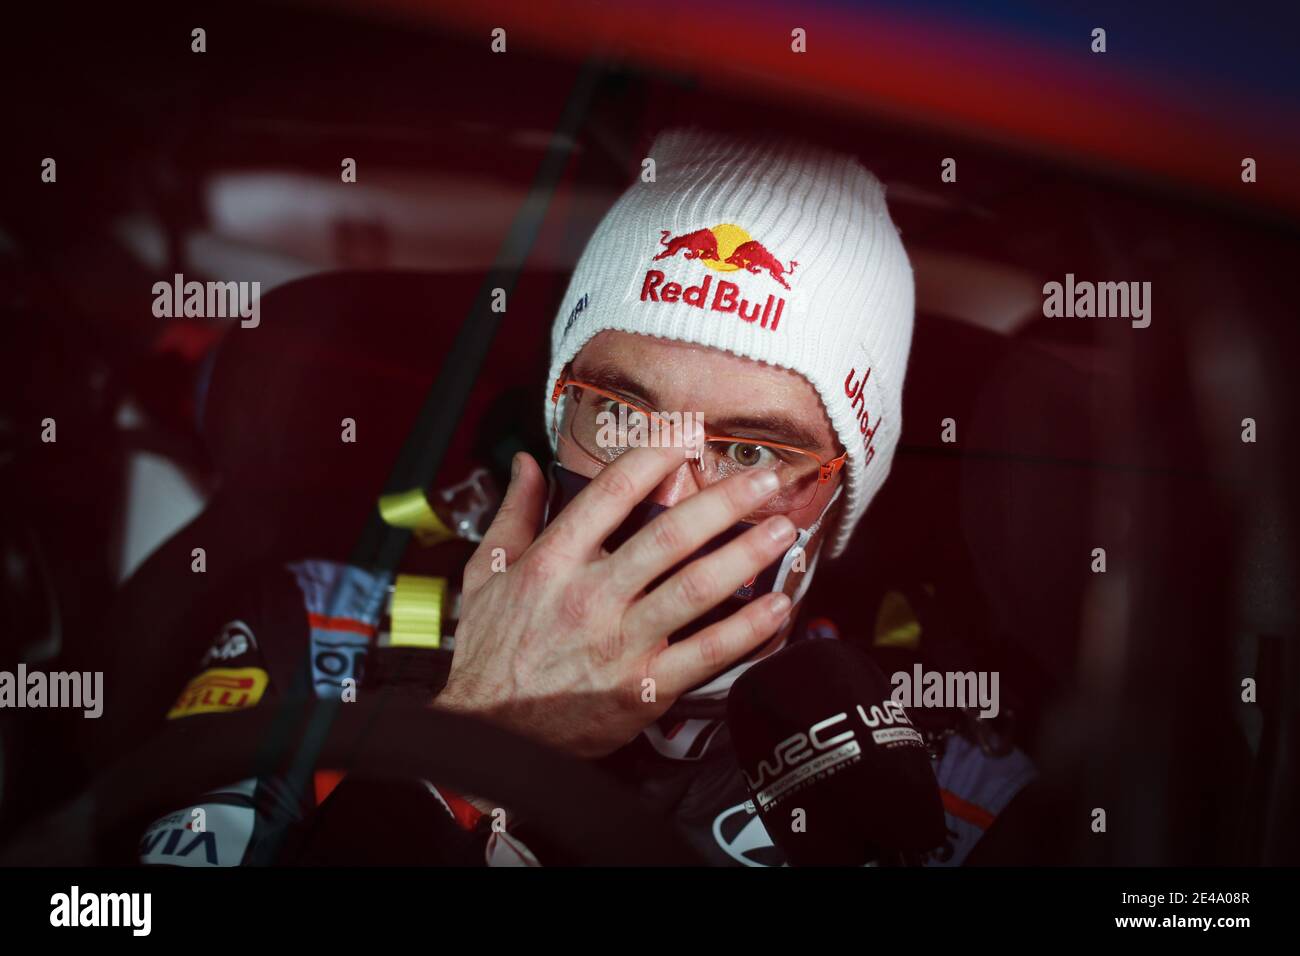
(219, 690)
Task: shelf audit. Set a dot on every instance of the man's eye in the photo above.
(619, 409)
(751, 456)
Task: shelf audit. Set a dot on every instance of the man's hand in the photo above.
(557, 647)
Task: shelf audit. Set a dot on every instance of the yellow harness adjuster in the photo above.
(416, 612)
(411, 509)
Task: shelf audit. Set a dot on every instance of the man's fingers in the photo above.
(681, 530)
(601, 507)
(515, 525)
(706, 582)
(702, 656)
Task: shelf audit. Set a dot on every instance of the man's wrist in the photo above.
(448, 699)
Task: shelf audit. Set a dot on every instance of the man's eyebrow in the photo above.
(772, 426)
(613, 378)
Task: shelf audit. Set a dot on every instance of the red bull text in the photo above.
(725, 298)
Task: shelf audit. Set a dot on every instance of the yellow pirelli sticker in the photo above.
(219, 690)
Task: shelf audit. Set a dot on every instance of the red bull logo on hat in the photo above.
(723, 248)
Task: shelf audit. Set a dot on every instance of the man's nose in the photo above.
(677, 487)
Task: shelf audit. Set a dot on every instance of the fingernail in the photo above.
(780, 528)
(514, 467)
(763, 482)
(780, 605)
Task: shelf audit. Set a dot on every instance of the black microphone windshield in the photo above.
(834, 766)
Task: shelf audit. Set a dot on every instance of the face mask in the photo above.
(565, 485)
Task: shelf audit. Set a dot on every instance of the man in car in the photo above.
(755, 298)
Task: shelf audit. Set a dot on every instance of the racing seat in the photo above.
(360, 346)
(981, 537)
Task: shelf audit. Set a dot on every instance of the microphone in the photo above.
(839, 775)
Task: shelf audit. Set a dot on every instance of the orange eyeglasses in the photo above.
(603, 425)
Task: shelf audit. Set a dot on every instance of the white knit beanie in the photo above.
(772, 250)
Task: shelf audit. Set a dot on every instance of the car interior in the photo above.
(1027, 441)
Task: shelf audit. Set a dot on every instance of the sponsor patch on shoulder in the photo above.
(219, 690)
(234, 640)
(180, 839)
